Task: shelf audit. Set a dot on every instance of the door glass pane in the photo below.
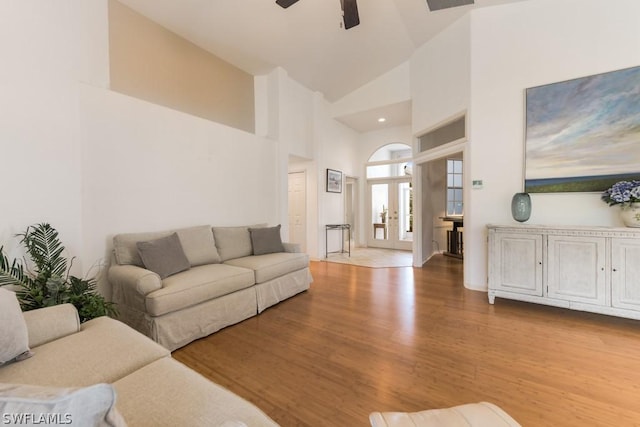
(380, 210)
(405, 214)
(457, 167)
(454, 187)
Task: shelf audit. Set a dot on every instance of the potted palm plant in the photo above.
(48, 281)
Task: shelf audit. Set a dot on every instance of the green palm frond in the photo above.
(45, 249)
(50, 283)
(12, 273)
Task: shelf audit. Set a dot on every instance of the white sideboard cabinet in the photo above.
(593, 269)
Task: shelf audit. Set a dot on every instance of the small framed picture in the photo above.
(334, 181)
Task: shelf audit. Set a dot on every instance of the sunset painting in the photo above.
(583, 135)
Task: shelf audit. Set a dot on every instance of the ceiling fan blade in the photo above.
(350, 13)
(285, 3)
(445, 4)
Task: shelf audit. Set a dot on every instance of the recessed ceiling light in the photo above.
(382, 120)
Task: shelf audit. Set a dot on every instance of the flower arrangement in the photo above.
(622, 193)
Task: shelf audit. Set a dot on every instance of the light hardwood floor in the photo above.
(407, 339)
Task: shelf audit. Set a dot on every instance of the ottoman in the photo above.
(481, 414)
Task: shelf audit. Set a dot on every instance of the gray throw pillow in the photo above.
(14, 336)
(266, 240)
(163, 256)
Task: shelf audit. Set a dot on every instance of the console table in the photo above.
(341, 228)
(594, 269)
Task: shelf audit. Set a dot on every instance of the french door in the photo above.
(391, 213)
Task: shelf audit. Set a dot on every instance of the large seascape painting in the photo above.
(583, 134)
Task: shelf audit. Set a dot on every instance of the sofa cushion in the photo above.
(197, 243)
(33, 405)
(197, 285)
(269, 266)
(266, 240)
(163, 256)
(194, 400)
(104, 351)
(232, 242)
(14, 336)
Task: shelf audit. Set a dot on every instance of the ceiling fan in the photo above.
(349, 11)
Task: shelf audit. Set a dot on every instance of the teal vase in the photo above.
(521, 207)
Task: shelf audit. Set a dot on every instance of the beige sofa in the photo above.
(151, 388)
(229, 275)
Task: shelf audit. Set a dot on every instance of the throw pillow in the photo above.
(266, 240)
(163, 256)
(14, 336)
(37, 405)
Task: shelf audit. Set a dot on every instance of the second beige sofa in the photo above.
(226, 280)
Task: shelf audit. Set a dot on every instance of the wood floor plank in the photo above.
(408, 339)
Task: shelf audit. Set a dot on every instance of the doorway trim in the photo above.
(423, 247)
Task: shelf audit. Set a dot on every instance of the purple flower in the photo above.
(622, 192)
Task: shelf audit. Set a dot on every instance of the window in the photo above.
(454, 187)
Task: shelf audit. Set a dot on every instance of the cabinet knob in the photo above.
(615, 270)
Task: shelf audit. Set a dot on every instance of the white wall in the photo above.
(440, 87)
(388, 89)
(440, 77)
(335, 148)
(523, 45)
(40, 161)
(147, 167)
(94, 163)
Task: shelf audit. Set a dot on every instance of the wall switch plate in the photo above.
(476, 184)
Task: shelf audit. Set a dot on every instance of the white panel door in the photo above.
(298, 209)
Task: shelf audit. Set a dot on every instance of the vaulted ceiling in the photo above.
(307, 39)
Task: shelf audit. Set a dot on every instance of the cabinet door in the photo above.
(625, 273)
(515, 263)
(576, 269)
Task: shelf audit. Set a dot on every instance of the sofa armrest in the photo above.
(292, 247)
(50, 323)
(141, 280)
